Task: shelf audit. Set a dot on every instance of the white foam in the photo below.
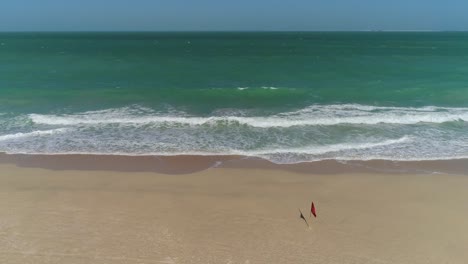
(269, 88)
(310, 150)
(313, 115)
(231, 132)
(32, 134)
(317, 150)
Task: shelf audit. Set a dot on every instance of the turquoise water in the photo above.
(287, 97)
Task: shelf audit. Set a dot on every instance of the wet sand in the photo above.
(228, 215)
(182, 164)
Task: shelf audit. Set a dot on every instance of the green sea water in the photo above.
(285, 96)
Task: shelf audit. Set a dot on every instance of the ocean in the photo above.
(288, 97)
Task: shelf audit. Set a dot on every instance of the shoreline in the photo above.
(184, 164)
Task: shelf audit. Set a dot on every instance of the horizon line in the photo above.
(243, 30)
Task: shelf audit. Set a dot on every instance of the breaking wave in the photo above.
(317, 132)
(32, 134)
(310, 116)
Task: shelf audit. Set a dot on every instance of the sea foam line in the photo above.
(317, 150)
(33, 133)
(264, 153)
(309, 116)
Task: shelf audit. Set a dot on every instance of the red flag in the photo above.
(312, 210)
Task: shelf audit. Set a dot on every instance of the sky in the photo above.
(237, 15)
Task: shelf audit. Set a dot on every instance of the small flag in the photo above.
(303, 218)
(312, 210)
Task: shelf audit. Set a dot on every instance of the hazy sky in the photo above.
(84, 15)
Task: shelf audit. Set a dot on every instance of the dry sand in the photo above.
(230, 216)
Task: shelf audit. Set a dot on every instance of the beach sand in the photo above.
(230, 215)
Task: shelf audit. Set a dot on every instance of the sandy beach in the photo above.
(230, 215)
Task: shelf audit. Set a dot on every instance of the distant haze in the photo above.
(220, 15)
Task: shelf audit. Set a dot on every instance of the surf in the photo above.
(315, 115)
(36, 133)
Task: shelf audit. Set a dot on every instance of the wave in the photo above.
(316, 150)
(32, 134)
(323, 115)
(270, 88)
(303, 135)
(310, 150)
(76, 142)
(263, 87)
